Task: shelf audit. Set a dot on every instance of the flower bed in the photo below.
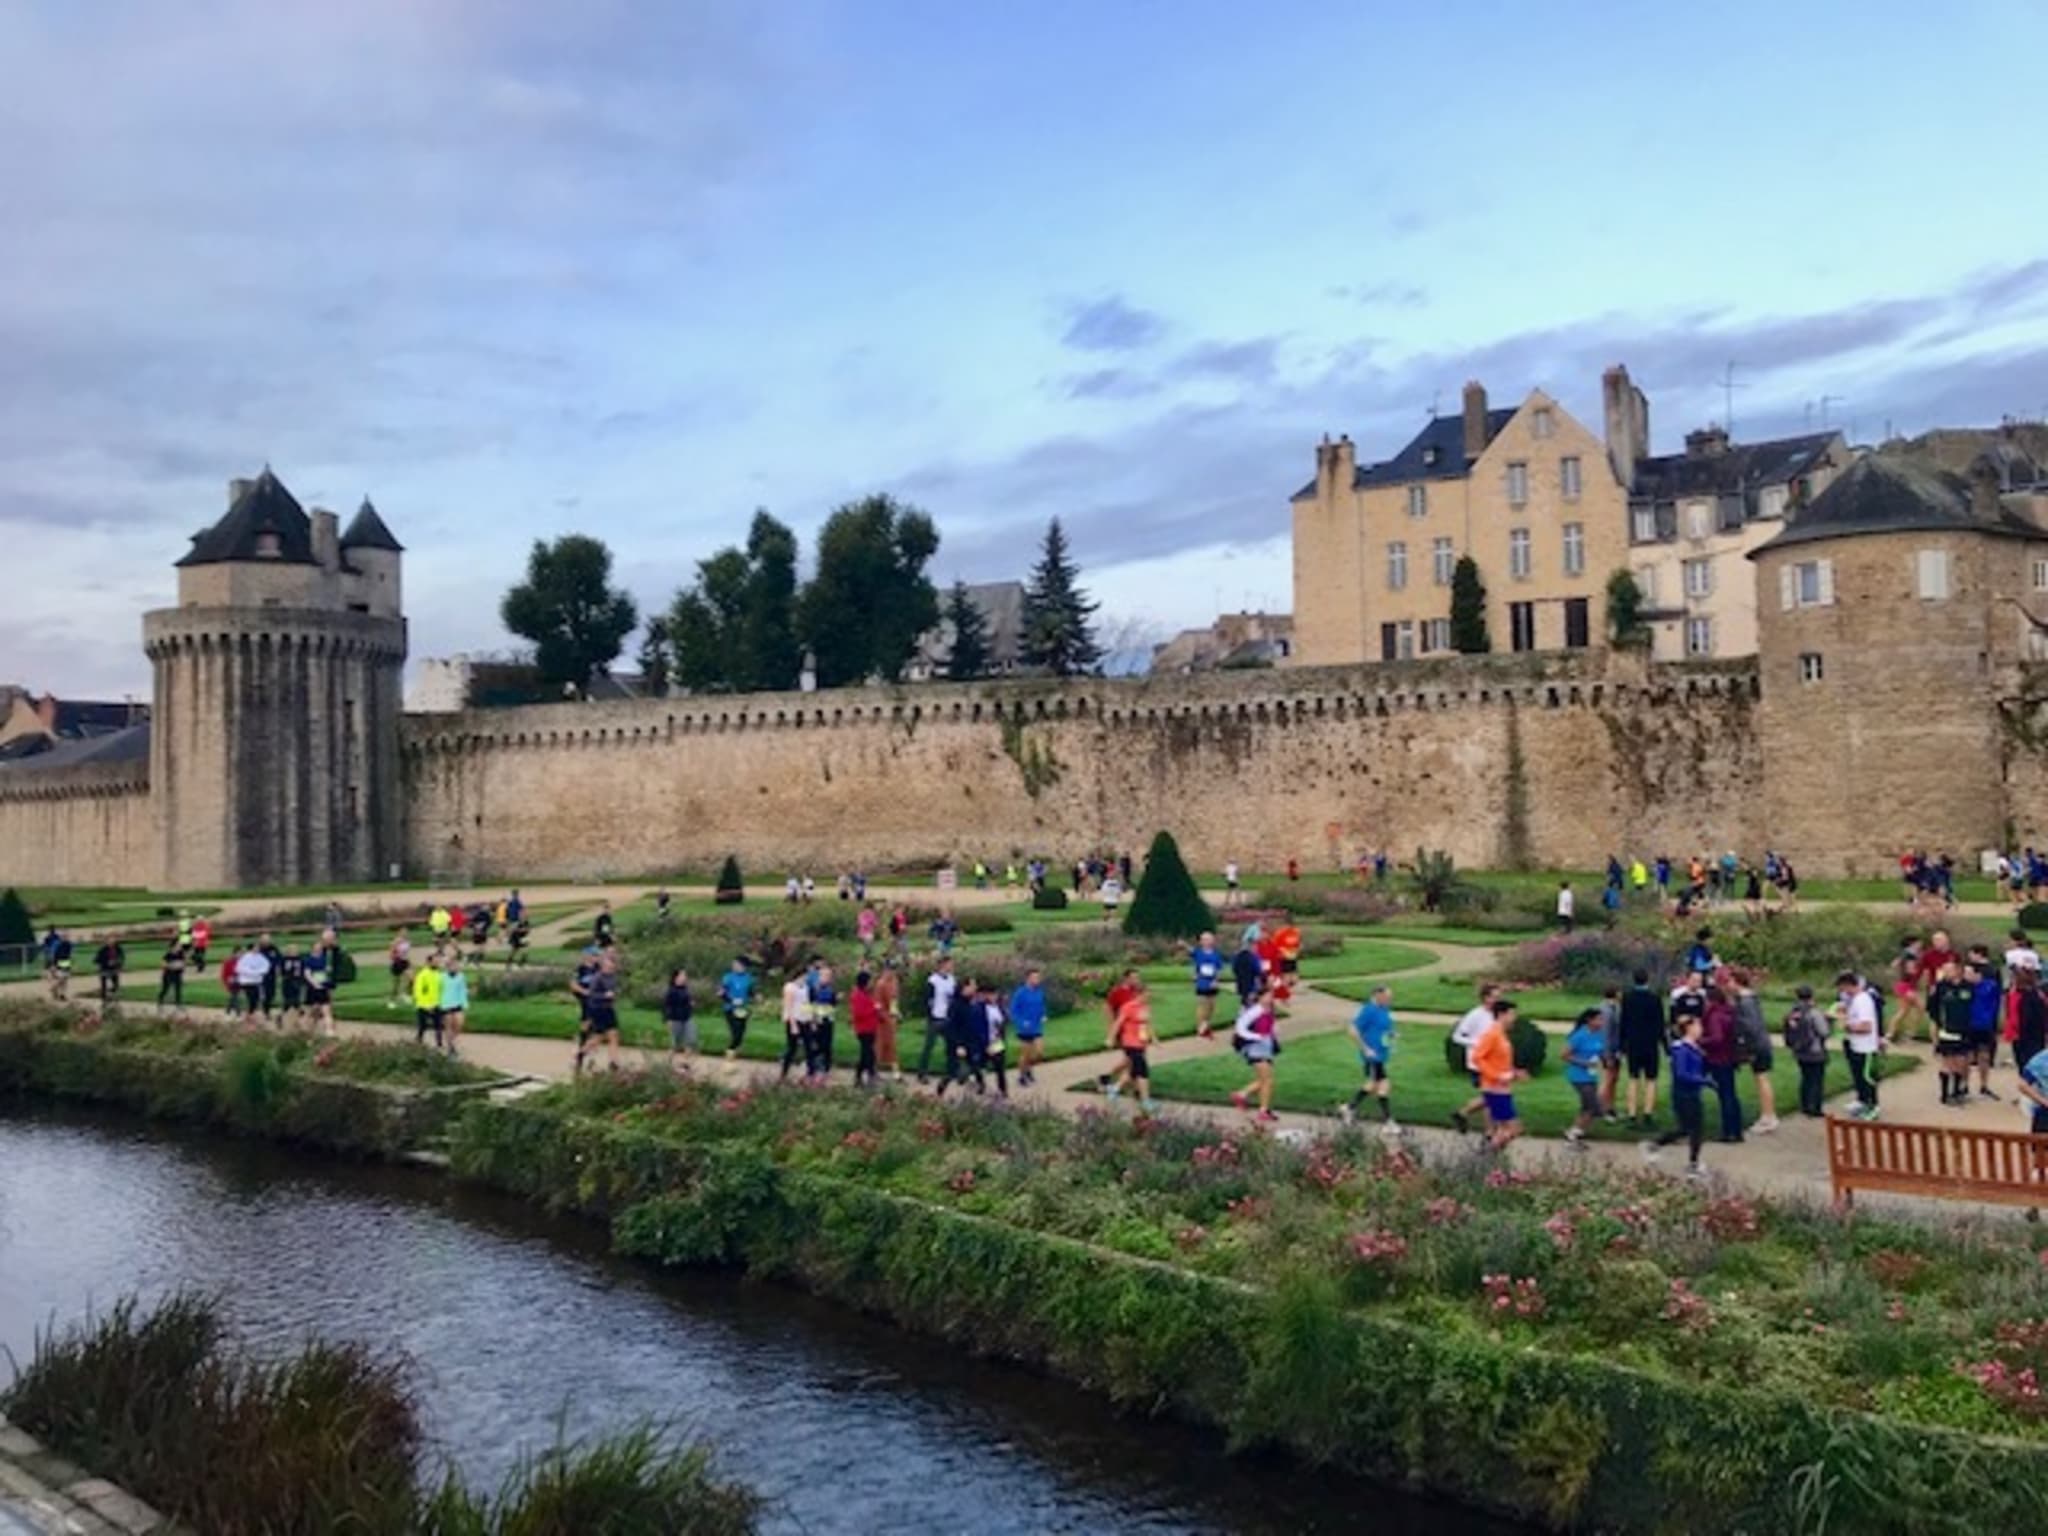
(1626, 1353)
(358, 1097)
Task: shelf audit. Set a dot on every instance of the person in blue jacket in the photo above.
(736, 998)
(1207, 961)
(1372, 1031)
(1689, 1078)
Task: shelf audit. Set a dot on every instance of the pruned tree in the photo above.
(1168, 904)
(1625, 623)
(569, 609)
(1468, 609)
(1058, 616)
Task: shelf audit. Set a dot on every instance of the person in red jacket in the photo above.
(867, 1024)
(1720, 1029)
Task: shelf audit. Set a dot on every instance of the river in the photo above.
(517, 1324)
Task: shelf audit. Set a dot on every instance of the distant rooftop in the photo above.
(366, 530)
(257, 508)
(1714, 466)
(1881, 494)
(1437, 452)
(37, 754)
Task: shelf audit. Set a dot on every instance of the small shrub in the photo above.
(254, 1081)
(729, 892)
(2033, 917)
(633, 1481)
(1049, 898)
(16, 926)
(1167, 904)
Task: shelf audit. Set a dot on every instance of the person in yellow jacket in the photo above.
(426, 1001)
(438, 923)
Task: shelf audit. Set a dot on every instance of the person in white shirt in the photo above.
(1566, 905)
(796, 1022)
(1230, 880)
(2021, 956)
(1464, 1033)
(1856, 1012)
(1112, 894)
(251, 966)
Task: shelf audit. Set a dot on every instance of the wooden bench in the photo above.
(1937, 1161)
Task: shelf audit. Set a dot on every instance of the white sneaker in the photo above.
(1574, 1135)
(1697, 1174)
(1651, 1151)
(1390, 1130)
(1765, 1125)
(1347, 1114)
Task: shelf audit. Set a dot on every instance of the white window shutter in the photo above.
(1827, 583)
(1788, 586)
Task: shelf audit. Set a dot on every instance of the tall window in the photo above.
(1570, 477)
(1575, 549)
(1646, 583)
(1699, 637)
(1578, 623)
(1541, 422)
(1397, 566)
(1418, 500)
(1810, 668)
(1806, 584)
(2041, 575)
(1518, 554)
(1931, 566)
(1436, 635)
(1642, 524)
(1522, 626)
(1699, 578)
(1699, 519)
(1443, 561)
(1518, 484)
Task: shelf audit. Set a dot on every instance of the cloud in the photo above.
(1383, 295)
(1109, 384)
(1110, 324)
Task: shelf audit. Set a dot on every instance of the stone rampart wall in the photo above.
(84, 825)
(1549, 761)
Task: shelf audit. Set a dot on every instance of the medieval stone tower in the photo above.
(274, 749)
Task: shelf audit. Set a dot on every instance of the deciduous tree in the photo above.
(861, 614)
(568, 608)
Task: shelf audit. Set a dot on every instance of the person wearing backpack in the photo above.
(1806, 1037)
(1754, 1037)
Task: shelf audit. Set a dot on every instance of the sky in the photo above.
(516, 269)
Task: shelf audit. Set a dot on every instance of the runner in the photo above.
(867, 1024)
(2034, 1092)
(579, 988)
(229, 984)
(1287, 951)
(1027, 1012)
(1949, 1006)
(664, 905)
(170, 986)
(1207, 961)
(889, 1003)
(1907, 973)
(796, 1022)
(317, 973)
(1112, 896)
(1986, 1003)
(603, 995)
(401, 962)
(1585, 1050)
(1806, 1037)
(1856, 1011)
(939, 991)
(454, 1002)
(291, 984)
(1465, 1034)
(1567, 906)
(426, 1003)
(267, 947)
(517, 936)
(1754, 1041)
(824, 1015)
(1610, 1051)
(1256, 1034)
(1643, 1033)
(1372, 1030)
(966, 1028)
(252, 974)
(109, 961)
(202, 940)
(736, 1002)
(1493, 1058)
(679, 1008)
(60, 965)
(1245, 971)
(1688, 1084)
(866, 926)
(997, 1047)
(604, 929)
(1132, 1034)
(438, 922)
(1121, 992)
(1230, 884)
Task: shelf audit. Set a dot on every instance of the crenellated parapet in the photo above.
(82, 781)
(170, 633)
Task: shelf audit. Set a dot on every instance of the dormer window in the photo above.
(1429, 457)
(269, 546)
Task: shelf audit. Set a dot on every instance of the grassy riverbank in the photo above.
(326, 1439)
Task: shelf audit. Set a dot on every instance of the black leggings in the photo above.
(962, 1062)
(171, 986)
(1859, 1071)
(735, 1027)
(110, 986)
(1691, 1113)
(864, 1068)
(800, 1041)
(821, 1042)
(1813, 1077)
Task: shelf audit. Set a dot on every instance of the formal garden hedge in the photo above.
(1600, 1352)
(357, 1097)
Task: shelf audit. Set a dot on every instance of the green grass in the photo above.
(1316, 1071)
(1430, 930)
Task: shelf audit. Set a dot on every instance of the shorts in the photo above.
(1762, 1062)
(1028, 1035)
(1904, 991)
(1141, 1070)
(319, 997)
(400, 967)
(1290, 967)
(1985, 1040)
(1953, 1050)
(1589, 1097)
(1375, 1071)
(604, 1019)
(1644, 1065)
(2040, 1121)
(1500, 1107)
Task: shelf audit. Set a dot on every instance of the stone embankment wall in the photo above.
(91, 824)
(1549, 761)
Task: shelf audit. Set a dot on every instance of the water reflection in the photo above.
(515, 1322)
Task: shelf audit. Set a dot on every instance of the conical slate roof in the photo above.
(366, 530)
(262, 506)
(1886, 494)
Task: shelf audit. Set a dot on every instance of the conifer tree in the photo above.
(16, 926)
(1468, 609)
(729, 892)
(1167, 903)
(1058, 633)
(969, 657)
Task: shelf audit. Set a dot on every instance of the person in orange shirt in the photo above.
(1492, 1057)
(1132, 1034)
(1287, 941)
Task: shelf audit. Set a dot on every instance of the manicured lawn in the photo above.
(1314, 1073)
(1435, 932)
(1454, 992)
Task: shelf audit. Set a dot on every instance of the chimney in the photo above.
(1343, 463)
(1708, 442)
(1985, 503)
(1475, 419)
(327, 540)
(237, 489)
(1626, 414)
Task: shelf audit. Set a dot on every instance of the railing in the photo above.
(1937, 1161)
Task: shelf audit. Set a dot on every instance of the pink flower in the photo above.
(1379, 1246)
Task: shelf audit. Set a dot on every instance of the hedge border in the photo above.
(1569, 1441)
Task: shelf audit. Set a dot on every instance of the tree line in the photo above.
(747, 623)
